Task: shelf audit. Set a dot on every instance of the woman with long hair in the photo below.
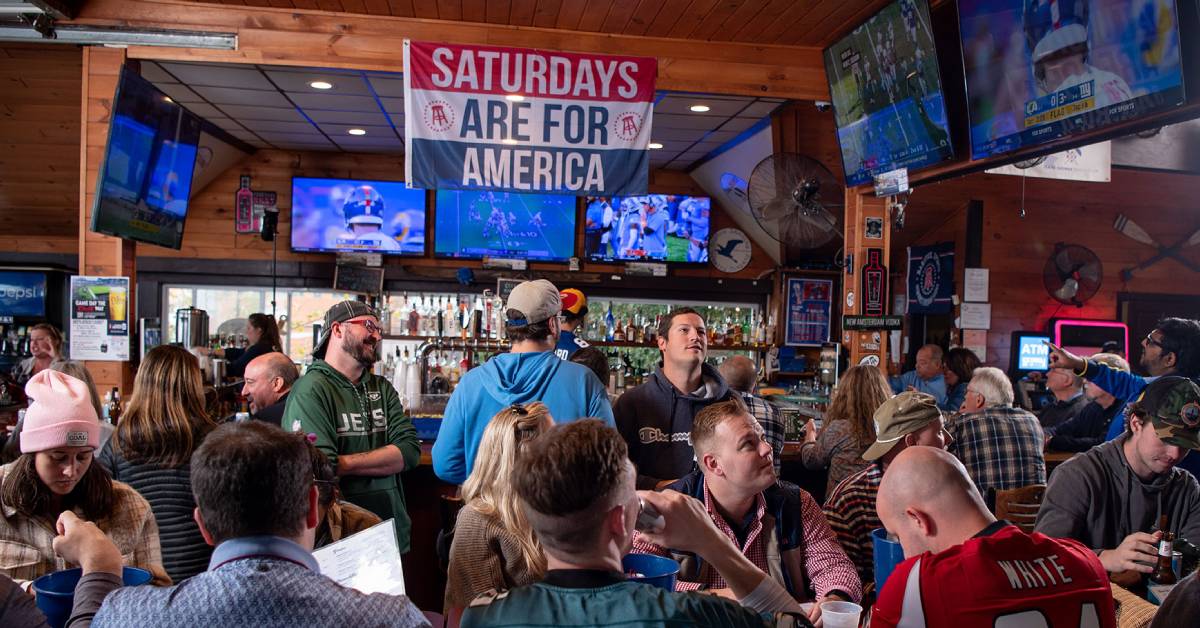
(849, 428)
(54, 473)
(957, 369)
(263, 333)
(163, 423)
(46, 345)
(494, 546)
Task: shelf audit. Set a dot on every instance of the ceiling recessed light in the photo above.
(699, 108)
(321, 85)
(357, 131)
(167, 99)
(514, 97)
(655, 145)
(508, 140)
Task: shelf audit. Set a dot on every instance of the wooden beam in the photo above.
(339, 40)
(859, 207)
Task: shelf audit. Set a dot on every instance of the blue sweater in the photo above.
(571, 391)
(935, 386)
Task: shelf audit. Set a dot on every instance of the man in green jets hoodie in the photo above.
(356, 415)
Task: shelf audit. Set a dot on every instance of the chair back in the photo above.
(1020, 505)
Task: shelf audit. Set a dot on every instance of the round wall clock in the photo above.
(729, 250)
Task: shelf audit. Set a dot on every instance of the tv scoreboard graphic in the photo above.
(1060, 105)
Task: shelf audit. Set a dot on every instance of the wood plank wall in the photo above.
(39, 147)
(1015, 249)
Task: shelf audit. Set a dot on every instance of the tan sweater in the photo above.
(483, 556)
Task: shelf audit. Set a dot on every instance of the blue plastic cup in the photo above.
(56, 591)
(651, 569)
(888, 554)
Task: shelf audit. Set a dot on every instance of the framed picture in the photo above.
(808, 312)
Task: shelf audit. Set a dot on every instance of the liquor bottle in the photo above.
(385, 315)
(114, 412)
(244, 212)
(464, 320)
(618, 333)
(639, 331)
(1164, 573)
(488, 330)
(414, 319)
(610, 324)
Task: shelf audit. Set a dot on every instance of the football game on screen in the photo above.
(473, 224)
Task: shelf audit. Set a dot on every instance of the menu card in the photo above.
(368, 561)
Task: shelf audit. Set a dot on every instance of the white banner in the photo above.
(1089, 163)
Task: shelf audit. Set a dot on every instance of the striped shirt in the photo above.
(1000, 446)
(169, 491)
(850, 509)
(768, 417)
(825, 564)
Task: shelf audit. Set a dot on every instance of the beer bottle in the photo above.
(1163, 573)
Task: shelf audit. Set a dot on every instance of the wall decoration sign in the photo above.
(874, 229)
(931, 278)
(525, 120)
(874, 284)
(99, 327)
(809, 311)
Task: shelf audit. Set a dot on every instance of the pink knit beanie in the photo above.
(60, 414)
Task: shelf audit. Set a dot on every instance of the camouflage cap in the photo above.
(1173, 406)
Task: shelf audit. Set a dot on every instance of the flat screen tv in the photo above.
(1039, 70)
(887, 94)
(357, 216)
(146, 176)
(476, 224)
(652, 228)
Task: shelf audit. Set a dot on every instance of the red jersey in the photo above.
(1001, 578)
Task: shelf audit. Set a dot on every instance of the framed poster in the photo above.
(808, 312)
(99, 318)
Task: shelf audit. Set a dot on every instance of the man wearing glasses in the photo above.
(356, 415)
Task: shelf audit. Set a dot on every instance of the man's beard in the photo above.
(362, 352)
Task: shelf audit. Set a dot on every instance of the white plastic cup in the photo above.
(839, 614)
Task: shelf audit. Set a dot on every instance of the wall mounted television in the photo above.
(887, 95)
(146, 176)
(475, 224)
(650, 228)
(1039, 70)
(357, 216)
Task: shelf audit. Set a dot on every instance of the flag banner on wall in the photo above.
(931, 278)
(524, 120)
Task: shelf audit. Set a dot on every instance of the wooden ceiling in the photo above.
(784, 22)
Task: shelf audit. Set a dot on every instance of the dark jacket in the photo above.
(274, 412)
(656, 422)
(1059, 411)
(1096, 498)
(237, 366)
(1084, 431)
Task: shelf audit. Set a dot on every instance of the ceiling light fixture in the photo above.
(514, 97)
(508, 140)
(699, 108)
(321, 85)
(357, 131)
(655, 145)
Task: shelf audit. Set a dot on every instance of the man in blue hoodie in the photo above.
(655, 419)
(529, 372)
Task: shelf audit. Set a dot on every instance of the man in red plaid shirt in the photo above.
(778, 526)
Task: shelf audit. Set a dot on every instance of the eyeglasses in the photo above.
(371, 326)
(1149, 340)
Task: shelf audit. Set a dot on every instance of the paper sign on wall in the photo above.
(99, 327)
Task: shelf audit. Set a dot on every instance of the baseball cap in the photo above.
(573, 302)
(908, 412)
(1173, 405)
(536, 301)
(339, 313)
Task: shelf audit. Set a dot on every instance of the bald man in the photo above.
(965, 568)
(741, 375)
(926, 377)
(268, 379)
